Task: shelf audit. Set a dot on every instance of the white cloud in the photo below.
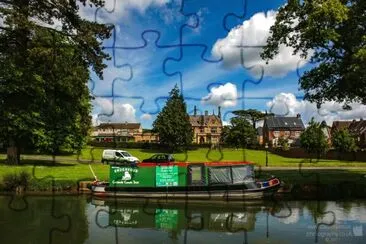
(287, 104)
(224, 95)
(226, 123)
(117, 113)
(146, 117)
(254, 32)
(121, 10)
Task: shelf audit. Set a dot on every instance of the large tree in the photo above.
(332, 34)
(172, 123)
(240, 133)
(253, 115)
(313, 139)
(43, 69)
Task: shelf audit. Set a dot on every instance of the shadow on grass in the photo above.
(28, 162)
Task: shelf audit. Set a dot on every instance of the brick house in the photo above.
(338, 125)
(358, 130)
(206, 128)
(287, 127)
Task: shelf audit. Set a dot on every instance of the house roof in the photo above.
(204, 120)
(274, 122)
(357, 127)
(337, 125)
(119, 126)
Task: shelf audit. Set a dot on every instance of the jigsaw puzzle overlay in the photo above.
(176, 48)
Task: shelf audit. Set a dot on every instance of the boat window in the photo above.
(196, 175)
(220, 175)
(242, 174)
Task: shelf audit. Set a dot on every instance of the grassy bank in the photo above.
(73, 168)
(205, 155)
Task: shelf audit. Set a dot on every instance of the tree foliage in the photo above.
(240, 133)
(44, 70)
(172, 123)
(252, 115)
(331, 34)
(343, 141)
(313, 139)
(283, 143)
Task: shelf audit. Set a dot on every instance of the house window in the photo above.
(287, 134)
(213, 130)
(276, 134)
(202, 130)
(297, 134)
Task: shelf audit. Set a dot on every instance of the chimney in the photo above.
(219, 114)
(206, 113)
(298, 116)
(195, 110)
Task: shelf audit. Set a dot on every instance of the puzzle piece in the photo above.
(173, 20)
(125, 83)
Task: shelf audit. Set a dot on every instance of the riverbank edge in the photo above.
(306, 191)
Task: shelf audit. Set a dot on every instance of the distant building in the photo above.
(287, 127)
(122, 132)
(338, 125)
(358, 130)
(206, 128)
(146, 136)
(260, 135)
(118, 132)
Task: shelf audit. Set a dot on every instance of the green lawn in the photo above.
(68, 168)
(205, 155)
(60, 171)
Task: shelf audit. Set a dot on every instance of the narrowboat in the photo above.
(182, 180)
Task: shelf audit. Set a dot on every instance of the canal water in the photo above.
(81, 219)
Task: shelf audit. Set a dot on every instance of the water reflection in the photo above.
(286, 222)
(88, 220)
(43, 220)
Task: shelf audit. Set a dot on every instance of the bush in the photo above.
(13, 180)
(49, 185)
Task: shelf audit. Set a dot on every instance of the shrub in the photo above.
(50, 185)
(13, 180)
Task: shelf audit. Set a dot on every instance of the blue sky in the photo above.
(148, 60)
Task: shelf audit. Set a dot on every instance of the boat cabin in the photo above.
(180, 174)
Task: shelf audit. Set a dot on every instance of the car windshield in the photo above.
(126, 154)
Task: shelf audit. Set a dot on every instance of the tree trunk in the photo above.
(13, 153)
